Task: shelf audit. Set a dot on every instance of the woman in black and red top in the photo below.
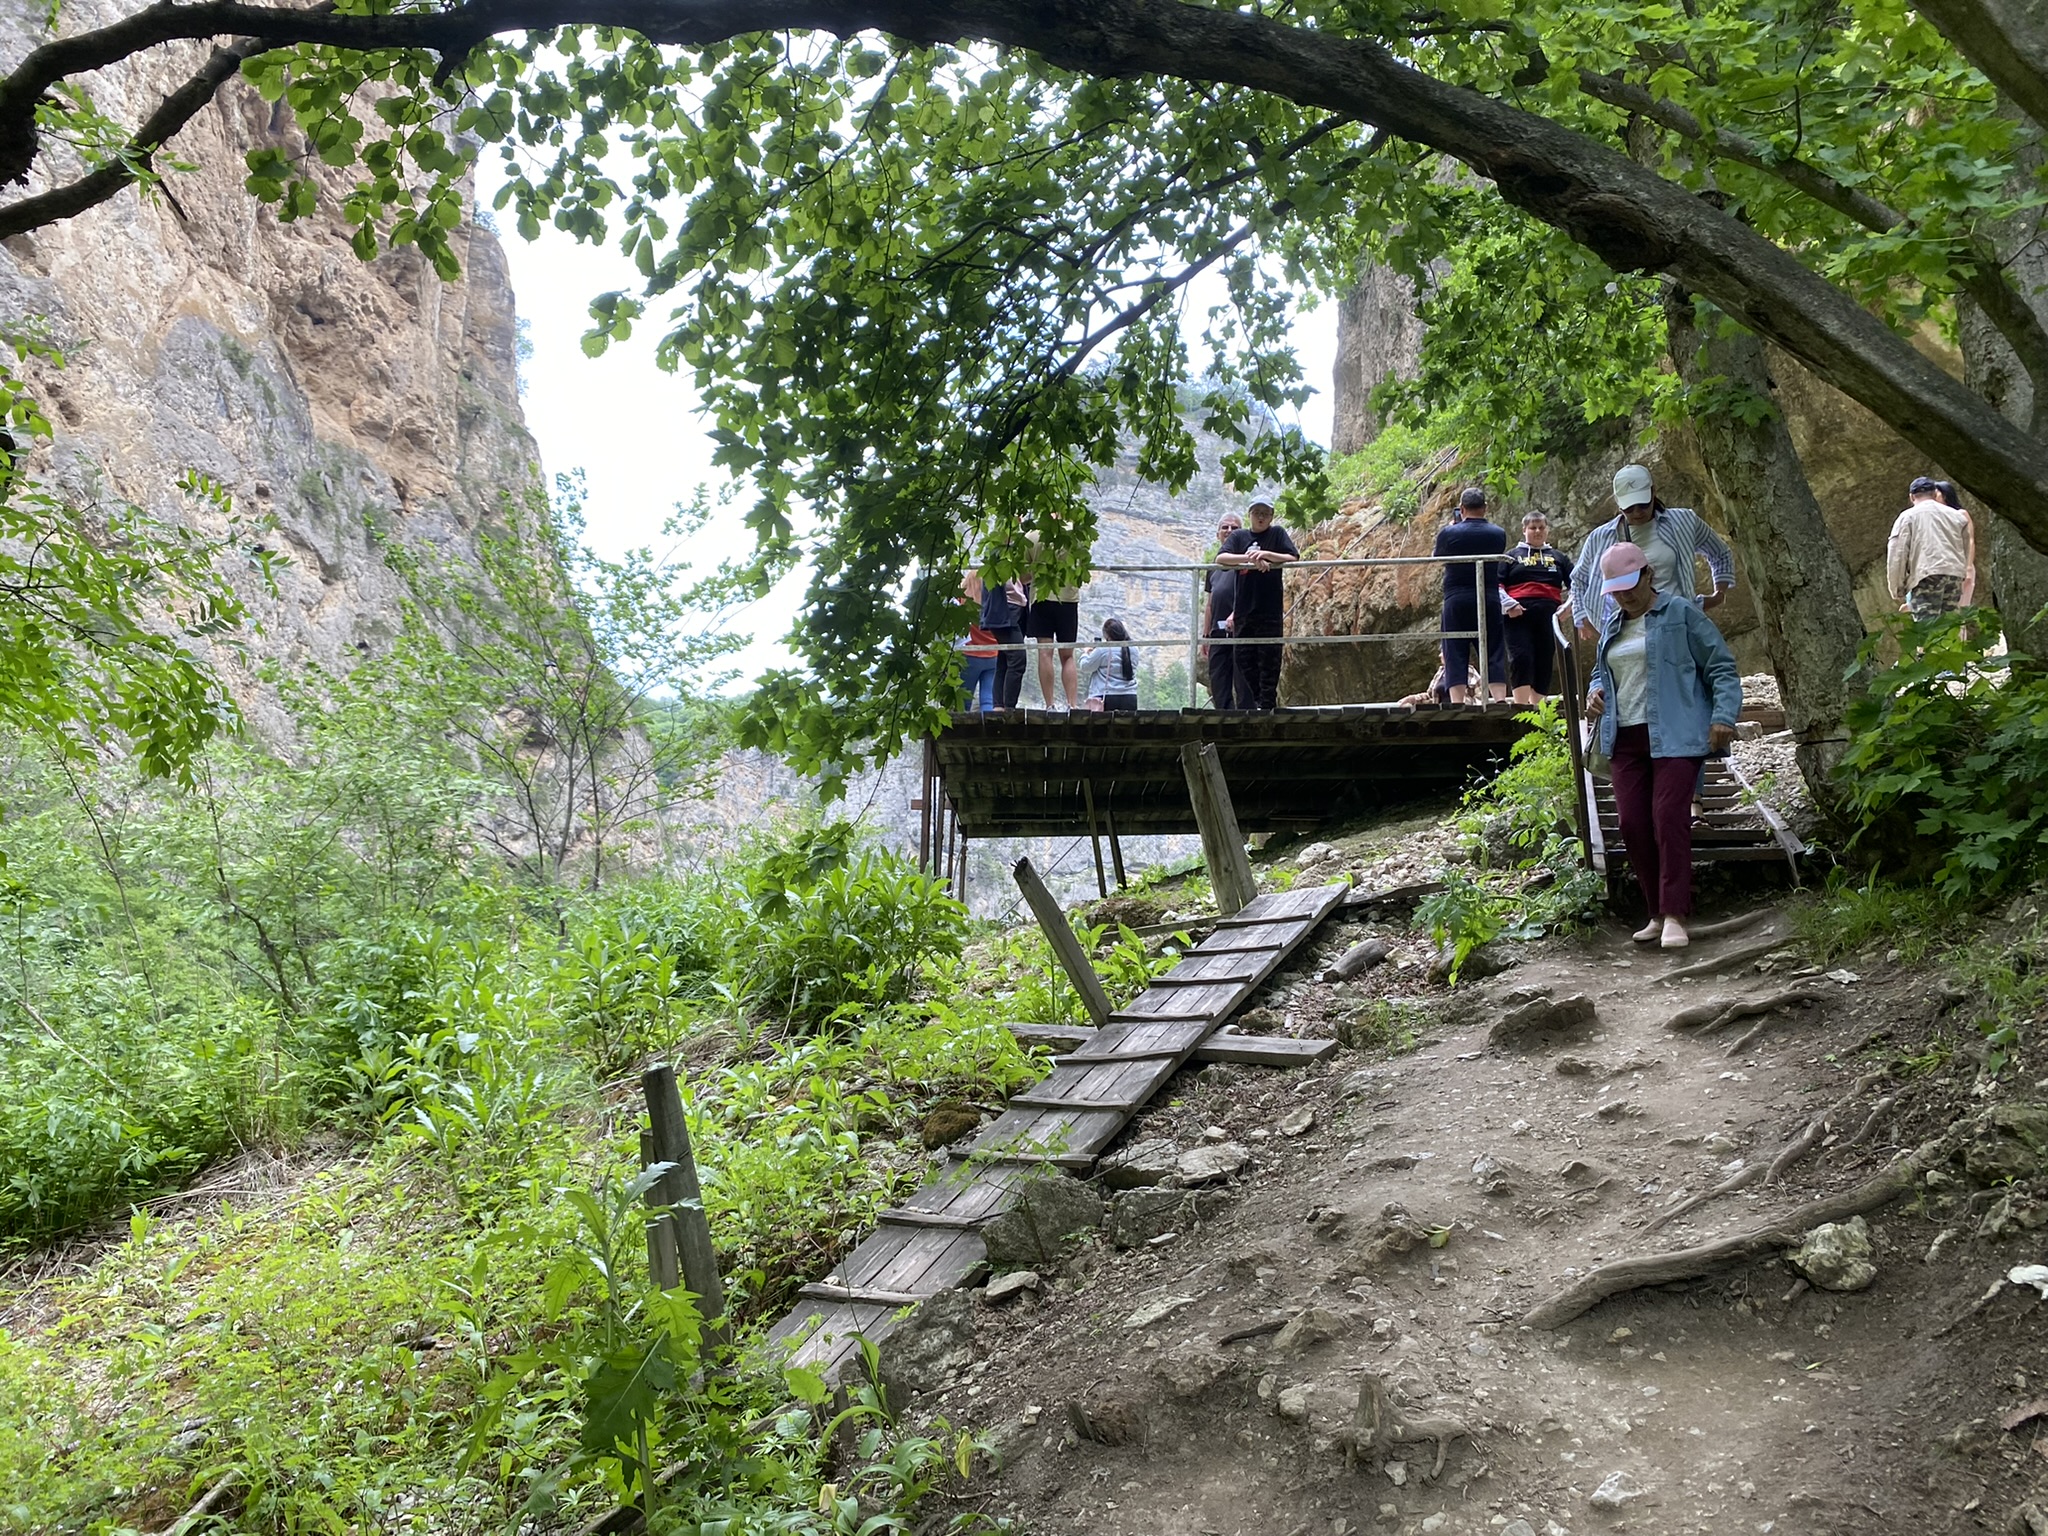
(1532, 588)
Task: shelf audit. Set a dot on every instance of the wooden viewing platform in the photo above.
(1038, 773)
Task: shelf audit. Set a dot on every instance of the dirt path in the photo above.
(1718, 1406)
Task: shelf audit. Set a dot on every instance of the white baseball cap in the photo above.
(1631, 486)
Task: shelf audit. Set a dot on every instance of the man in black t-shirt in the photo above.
(1470, 589)
(1219, 603)
(1256, 553)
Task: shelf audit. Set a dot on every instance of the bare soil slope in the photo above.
(1434, 1197)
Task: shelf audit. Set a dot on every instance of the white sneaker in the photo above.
(1675, 936)
(1651, 933)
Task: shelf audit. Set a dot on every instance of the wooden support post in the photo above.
(1116, 846)
(1057, 932)
(670, 1138)
(925, 860)
(960, 890)
(1095, 838)
(662, 1261)
(1230, 868)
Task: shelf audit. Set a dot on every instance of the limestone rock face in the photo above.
(1379, 337)
(355, 402)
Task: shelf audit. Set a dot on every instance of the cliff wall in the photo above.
(354, 402)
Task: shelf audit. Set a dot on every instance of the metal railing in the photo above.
(1196, 639)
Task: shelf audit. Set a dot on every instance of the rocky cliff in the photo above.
(353, 402)
(1859, 470)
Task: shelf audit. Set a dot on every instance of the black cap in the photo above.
(1472, 496)
(1922, 484)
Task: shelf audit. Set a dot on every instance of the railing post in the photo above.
(1479, 607)
(1195, 639)
(1575, 740)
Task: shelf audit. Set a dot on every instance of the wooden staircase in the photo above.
(1735, 825)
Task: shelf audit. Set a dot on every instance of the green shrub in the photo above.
(837, 930)
(1946, 776)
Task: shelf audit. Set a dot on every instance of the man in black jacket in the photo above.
(1256, 553)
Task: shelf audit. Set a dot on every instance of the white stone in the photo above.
(1616, 1491)
(1157, 1310)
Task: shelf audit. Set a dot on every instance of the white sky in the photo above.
(634, 430)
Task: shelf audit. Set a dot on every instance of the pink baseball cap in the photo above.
(1622, 567)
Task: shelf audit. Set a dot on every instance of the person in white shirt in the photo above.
(1930, 561)
(1109, 672)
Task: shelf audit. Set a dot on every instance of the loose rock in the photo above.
(1135, 1167)
(1213, 1164)
(1137, 1216)
(1292, 1404)
(1298, 1121)
(929, 1347)
(1542, 1017)
(1836, 1256)
(1157, 1310)
(1313, 1326)
(1052, 1212)
(1616, 1491)
(1004, 1287)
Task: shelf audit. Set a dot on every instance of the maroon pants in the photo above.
(1653, 802)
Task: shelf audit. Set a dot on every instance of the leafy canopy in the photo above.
(923, 291)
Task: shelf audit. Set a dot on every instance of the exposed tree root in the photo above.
(1377, 1425)
(1748, 1038)
(1783, 1231)
(1729, 925)
(1727, 962)
(1810, 1135)
(1718, 1011)
(1742, 1178)
(1975, 1307)
(1883, 1107)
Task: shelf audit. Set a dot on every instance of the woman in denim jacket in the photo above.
(1664, 694)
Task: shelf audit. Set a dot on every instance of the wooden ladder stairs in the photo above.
(933, 1241)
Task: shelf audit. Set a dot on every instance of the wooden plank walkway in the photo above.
(1033, 773)
(932, 1243)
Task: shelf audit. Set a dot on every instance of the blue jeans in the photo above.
(978, 677)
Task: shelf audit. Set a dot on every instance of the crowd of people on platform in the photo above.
(1512, 596)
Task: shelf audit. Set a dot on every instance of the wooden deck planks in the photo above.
(1116, 1070)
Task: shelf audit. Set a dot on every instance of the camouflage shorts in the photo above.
(1934, 596)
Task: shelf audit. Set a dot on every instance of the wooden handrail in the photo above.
(1574, 731)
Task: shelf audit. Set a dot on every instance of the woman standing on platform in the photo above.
(1664, 696)
(1532, 589)
(1109, 672)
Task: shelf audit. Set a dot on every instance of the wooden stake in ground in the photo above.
(1230, 867)
(1052, 922)
(679, 1189)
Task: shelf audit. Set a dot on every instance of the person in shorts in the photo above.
(1054, 624)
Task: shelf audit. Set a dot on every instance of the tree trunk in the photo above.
(1805, 600)
(2019, 572)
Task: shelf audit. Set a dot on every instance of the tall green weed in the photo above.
(1946, 776)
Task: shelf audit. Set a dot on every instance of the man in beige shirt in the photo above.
(1931, 558)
